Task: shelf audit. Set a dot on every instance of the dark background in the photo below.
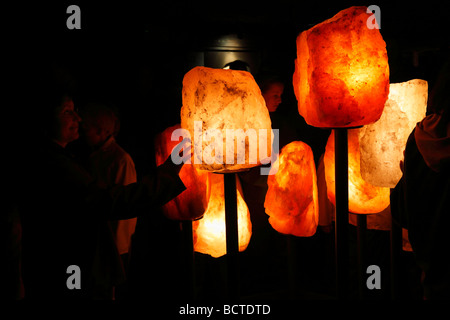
(134, 55)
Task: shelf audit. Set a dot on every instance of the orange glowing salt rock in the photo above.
(291, 199)
(226, 116)
(209, 232)
(192, 202)
(341, 76)
(363, 197)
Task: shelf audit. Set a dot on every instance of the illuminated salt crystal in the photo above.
(216, 102)
(192, 202)
(341, 76)
(210, 232)
(383, 142)
(363, 197)
(291, 199)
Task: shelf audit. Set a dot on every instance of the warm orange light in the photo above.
(226, 116)
(341, 76)
(382, 143)
(363, 197)
(209, 232)
(192, 202)
(291, 199)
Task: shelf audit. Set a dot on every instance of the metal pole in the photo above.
(361, 238)
(341, 218)
(292, 264)
(232, 237)
(188, 242)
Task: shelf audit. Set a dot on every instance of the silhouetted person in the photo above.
(64, 213)
(272, 89)
(109, 164)
(421, 200)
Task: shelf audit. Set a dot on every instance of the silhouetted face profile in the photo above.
(99, 124)
(67, 123)
(94, 134)
(272, 96)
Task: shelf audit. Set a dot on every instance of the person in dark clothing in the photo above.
(64, 213)
(421, 200)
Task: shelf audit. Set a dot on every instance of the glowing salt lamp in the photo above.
(341, 76)
(192, 202)
(209, 232)
(382, 143)
(291, 199)
(221, 107)
(362, 197)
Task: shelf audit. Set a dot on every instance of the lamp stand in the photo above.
(188, 255)
(232, 236)
(361, 238)
(341, 218)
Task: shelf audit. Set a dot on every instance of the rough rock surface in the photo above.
(291, 199)
(341, 76)
(218, 100)
(383, 142)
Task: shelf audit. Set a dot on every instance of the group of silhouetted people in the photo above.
(77, 211)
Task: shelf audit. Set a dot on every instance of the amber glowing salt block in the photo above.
(209, 232)
(363, 197)
(192, 202)
(291, 199)
(383, 142)
(227, 118)
(341, 76)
